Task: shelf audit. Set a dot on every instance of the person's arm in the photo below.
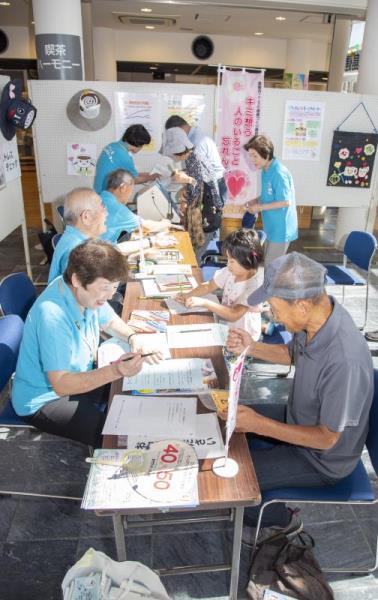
(146, 177)
(66, 383)
(118, 328)
(203, 289)
(238, 340)
(318, 437)
(228, 313)
(153, 226)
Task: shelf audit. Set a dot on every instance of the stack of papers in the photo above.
(167, 478)
(152, 270)
(177, 308)
(181, 374)
(197, 336)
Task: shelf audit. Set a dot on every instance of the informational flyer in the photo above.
(302, 132)
(81, 159)
(142, 109)
(188, 106)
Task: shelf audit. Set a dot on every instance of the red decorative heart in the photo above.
(235, 180)
(358, 150)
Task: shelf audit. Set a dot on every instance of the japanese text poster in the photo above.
(352, 159)
(302, 130)
(239, 120)
(10, 159)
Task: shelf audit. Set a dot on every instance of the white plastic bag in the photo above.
(97, 577)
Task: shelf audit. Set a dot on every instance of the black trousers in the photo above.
(80, 417)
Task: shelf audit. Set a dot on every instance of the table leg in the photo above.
(119, 535)
(236, 547)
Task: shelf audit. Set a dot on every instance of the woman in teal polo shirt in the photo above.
(277, 199)
(58, 386)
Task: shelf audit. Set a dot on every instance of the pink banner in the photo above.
(239, 120)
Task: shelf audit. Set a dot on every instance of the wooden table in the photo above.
(214, 492)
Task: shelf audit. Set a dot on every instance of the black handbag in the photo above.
(211, 209)
(287, 566)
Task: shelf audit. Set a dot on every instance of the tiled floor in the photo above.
(41, 538)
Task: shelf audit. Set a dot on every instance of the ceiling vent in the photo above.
(157, 21)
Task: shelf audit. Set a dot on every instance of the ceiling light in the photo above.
(146, 10)
(258, 33)
(32, 22)
(280, 18)
(149, 26)
(153, 68)
(4, 3)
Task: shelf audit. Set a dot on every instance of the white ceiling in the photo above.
(198, 16)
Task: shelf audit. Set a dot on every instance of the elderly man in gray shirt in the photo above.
(318, 437)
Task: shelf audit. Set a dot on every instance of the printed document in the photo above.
(152, 416)
(207, 442)
(197, 336)
(174, 374)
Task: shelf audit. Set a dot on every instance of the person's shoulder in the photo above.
(279, 169)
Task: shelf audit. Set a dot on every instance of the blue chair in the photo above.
(60, 211)
(359, 249)
(11, 330)
(17, 295)
(56, 239)
(355, 489)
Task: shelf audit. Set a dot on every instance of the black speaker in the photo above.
(4, 42)
(202, 47)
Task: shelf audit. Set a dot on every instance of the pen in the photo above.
(194, 330)
(152, 297)
(142, 355)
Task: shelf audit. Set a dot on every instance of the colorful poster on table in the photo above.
(188, 106)
(239, 120)
(302, 130)
(352, 159)
(142, 109)
(10, 160)
(81, 159)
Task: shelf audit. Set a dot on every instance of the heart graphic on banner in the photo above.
(235, 180)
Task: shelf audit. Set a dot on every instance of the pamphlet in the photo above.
(165, 476)
(149, 321)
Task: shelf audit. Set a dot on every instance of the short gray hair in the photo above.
(116, 178)
(76, 201)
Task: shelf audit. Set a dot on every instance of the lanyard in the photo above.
(92, 344)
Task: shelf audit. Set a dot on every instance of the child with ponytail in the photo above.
(238, 280)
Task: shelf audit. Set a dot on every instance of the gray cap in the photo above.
(292, 276)
(175, 141)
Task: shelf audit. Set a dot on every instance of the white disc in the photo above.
(225, 468)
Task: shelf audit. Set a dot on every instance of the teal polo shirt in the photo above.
(280, 225)
(120, 218)
(114, 156)
(71, 238)
(57, 337)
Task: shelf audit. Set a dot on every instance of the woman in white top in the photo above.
(238, 280)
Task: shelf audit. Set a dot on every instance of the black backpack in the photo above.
(287, 566)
